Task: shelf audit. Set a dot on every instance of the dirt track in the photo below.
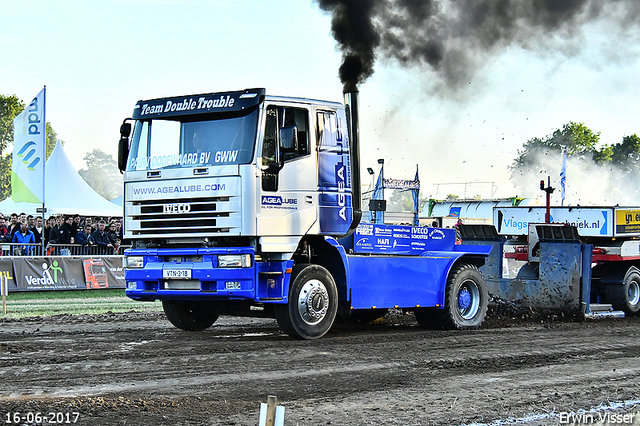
(136, 369)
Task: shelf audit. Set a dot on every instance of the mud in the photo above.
(137, 369)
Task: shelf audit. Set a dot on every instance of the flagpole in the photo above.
(416, 201)
(381, 162)
(44, 159)
(563, 176)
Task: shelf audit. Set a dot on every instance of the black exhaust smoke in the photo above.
(352, 27)
(455, 37)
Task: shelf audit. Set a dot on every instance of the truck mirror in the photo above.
(123, 146)
(274, 168)
(123, 153)
(125, 130)
(289, 139)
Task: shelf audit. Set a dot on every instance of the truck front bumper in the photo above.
(204, 274)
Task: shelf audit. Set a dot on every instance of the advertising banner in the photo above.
(50, 273)
(115, 272)
(627, 222)
(590, 221)
(104, 272)
(6, 270)
(400, 239)
(62, 273)
(401, 184)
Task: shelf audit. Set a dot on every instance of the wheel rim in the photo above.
(634, 293)
(313, 302)
(468, 299)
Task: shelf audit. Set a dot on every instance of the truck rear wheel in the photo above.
(465, 302)
(313, 303)
(626, 296)
(190, 315)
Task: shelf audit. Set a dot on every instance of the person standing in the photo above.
(13, 225)
(84, 239)
(39, 227)
(54, 233)
(25, 237)
(46, 230)
(31, 221)
(66, 229)
(112, 233)
(77, 226)
(4, 231)
(101, 238)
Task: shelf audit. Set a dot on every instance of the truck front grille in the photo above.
(193, 216)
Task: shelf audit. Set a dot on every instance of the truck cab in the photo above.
(213, 170)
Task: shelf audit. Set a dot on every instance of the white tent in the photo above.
(65, 192)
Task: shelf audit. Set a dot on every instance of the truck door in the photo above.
(334, 173)
(288, 199)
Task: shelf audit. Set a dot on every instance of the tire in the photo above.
(626, 296)
(465, 302)
(313, 303)
(190, 315)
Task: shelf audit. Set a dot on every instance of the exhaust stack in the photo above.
(351, 105)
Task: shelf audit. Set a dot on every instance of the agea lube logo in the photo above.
(342, 198)
(277, 202)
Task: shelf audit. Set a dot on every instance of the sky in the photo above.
(97, 58)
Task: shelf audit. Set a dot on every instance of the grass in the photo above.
(74, 302)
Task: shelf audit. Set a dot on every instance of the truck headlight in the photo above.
(132, 262)
(234, 261)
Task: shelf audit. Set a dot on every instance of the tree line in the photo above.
(612, 169)
(615, 168)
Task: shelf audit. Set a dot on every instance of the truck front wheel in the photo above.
(313, 303)
(626, 296)
(465, 302)
(190, 315)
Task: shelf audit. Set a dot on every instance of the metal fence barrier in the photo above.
(16, 249)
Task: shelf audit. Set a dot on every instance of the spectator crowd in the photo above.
(93, 234)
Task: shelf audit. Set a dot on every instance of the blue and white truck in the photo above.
(241, 203)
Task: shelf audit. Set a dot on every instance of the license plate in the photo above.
(176, 273)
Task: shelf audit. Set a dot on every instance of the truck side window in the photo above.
(280, 121)
(329, 133)
(279, 118)
(270, 150)
(270, 142)
(299, 118)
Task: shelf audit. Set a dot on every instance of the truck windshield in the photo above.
(159, 144)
